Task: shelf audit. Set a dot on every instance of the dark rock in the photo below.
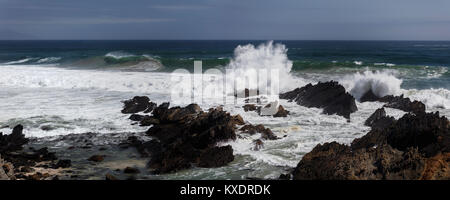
(26, 169)
(428, 132)
(333, 161)
(266, 133)
(136, 117)
(259, 144)
(137, 104)
(216, 157)
(63, 164)
(250, 107)
(405, 104)
(131, 170)
(369, 96)
(13, 141)
(46, 128)
(238, 120)
(182, 135)
(148, 121)
(6, 170)
(331, 96)
(285, 177)
(379, 120)
(151, 106)
(281, 112)
(110, 177)
(417, 146)
(97, 158)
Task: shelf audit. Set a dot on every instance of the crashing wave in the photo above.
(381, 83)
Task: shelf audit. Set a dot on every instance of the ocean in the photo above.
(60, 88)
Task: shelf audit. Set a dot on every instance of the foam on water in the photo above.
(381, 83)
(49, 101)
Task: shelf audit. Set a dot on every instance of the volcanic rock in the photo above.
(137, 104)
(331, 96)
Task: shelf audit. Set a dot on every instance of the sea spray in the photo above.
(381, 83)
(262, 59)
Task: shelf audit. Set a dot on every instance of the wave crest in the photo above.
(381, 83)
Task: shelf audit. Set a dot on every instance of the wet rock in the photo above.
(429, 132)
(369, 96)
(6, 170)
(331, 96)
(281, 112)
(259, 144)
(148, 121)
(183, 134)
(267, 109)
(136, 117)
(38, 176)
(379, 120)
(251, 129)
(26, 169)
(266, 133)
(333, 161)
(238, 120)
(285, 177)
(110, 177)
(146, 149)
(63, 164)
(216, 157)
(131, 170)
(13, 141)
(137, 104)
(46, 128)
(96, 158)
(417, 146)
(402, 103)
(250, 107)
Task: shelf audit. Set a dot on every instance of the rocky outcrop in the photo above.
(13, 141)
(267, 110)
(186, 137)
(138, 104)
(428, 132)
(402, 103)
(331, 96)
(414, 147)
(379, 120)
(25, 160)
(333, 161)
(266, 133)
(6, 170)
(397, 102)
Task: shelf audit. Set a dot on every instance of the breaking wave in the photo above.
(381, 83)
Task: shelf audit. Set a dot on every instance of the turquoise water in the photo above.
(423, 64)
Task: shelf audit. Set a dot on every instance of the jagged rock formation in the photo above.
(331, 96)
(414, 147)
(187, 136)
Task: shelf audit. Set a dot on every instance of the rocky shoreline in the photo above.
(416, 146)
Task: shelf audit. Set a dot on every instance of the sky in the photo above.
(226, 19)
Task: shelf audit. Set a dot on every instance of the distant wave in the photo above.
(19, 61)
(48, 60)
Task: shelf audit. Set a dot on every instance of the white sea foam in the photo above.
(381, 83)
(249, 60)
(18, 61)
(48, 59)
(432, 98)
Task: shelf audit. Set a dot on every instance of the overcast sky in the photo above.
(226, 19)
